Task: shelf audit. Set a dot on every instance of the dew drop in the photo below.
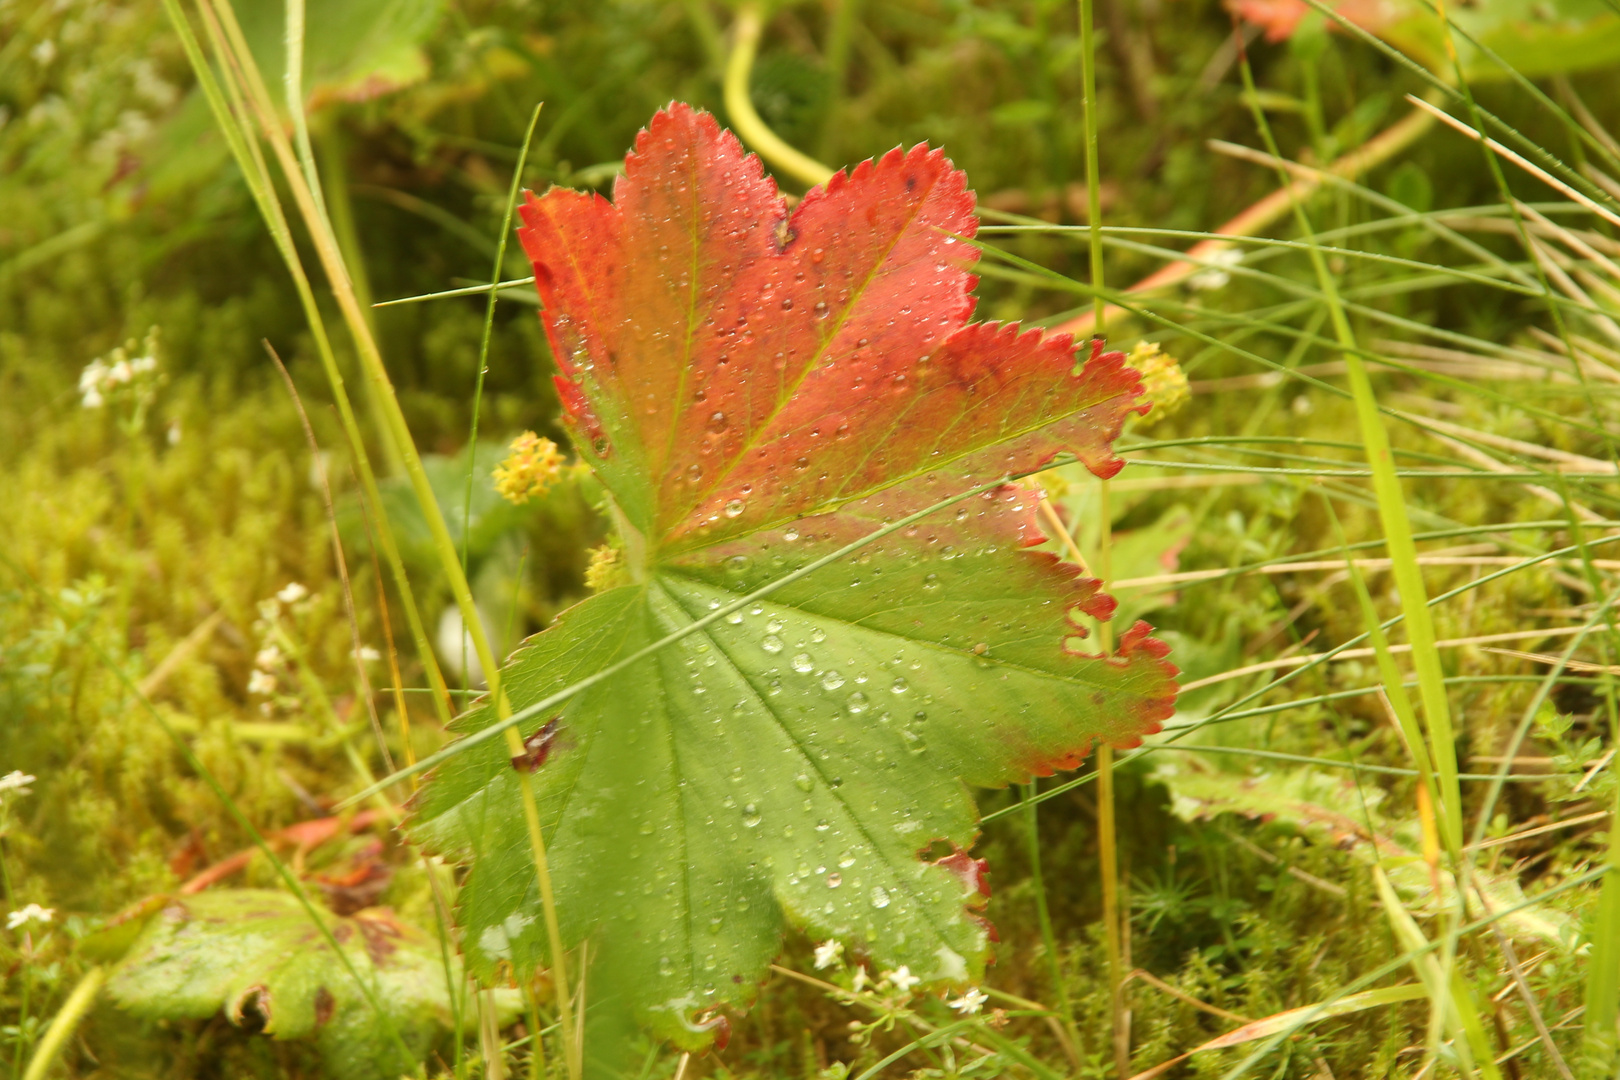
(803, 664)
(818, 635)
(774, 626)
(823, 825)
(791, 534)
(857, 703)
(834, 880)
(751, 816)
(931, 581)
(787, 303)
(846, 860)
(899, 686)
(803, 782)
(734, 618)
(734, 507)
(771, 644)
(832, 680)
(718, 423)
(880, 896)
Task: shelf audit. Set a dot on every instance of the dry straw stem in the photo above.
(1268, 211)
(244, 76)
(231, 113)
(1362, 654)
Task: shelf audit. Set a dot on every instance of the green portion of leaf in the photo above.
(728, 368)
(789, 763)
(257, 955)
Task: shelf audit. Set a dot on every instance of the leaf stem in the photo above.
(750, 22)
(62, 1024)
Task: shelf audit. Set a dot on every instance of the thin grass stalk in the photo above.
(1054, 962)
(241, 61)
(1107, 829)
(1530, 247)
(230, 115)
(488, 330)
(1397, 527)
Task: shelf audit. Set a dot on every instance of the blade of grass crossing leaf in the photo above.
(1397, 527)
(467, 742)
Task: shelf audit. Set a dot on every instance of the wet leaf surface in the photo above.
(757, 388)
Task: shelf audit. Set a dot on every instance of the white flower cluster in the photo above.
(30, 914)
(830, 953)
(120, 373)
(1214, 275)
(270, 659)
(16, 780)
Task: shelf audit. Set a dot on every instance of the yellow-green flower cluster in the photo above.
(606, 570)
(1164, 384)
(531, 466)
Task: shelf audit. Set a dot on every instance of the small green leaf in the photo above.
(258, 956)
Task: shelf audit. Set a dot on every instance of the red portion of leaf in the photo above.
(752, 366)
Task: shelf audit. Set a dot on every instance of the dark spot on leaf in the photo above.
(325, 1005)
(537, 747)
(382, 935)
(251, 1010)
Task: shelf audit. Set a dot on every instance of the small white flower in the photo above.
(269, 611)
(1214, 276)
(17, 781)
(174, 433)
(262, 682)
(970, 1002)
(92, 399)
(143, 365)
(862, 980)
(829, 953)
(293, 593)
(120, 372)
(901, 979)
(369, 655)
(44, 52)
(31, 913)
(267, 658)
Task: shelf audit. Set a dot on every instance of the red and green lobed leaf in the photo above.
(757, 388)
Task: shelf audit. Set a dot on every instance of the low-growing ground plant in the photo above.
(841, 745)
